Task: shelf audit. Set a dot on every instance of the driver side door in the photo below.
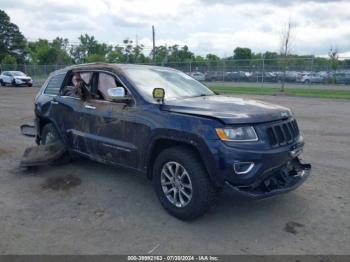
(69, 115)
(110, 125)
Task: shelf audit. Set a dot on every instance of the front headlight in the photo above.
(238, 134)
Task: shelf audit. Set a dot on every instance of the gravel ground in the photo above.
(106, 210)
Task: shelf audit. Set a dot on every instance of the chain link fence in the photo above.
(291, 70)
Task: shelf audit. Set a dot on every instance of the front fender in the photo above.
(40, 122)
(198, 143)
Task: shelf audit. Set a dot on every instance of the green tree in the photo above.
(139, 56)
(199, 63)
(161, 54)
(213, 60)
(333, 58)
(200, 59)
(241, 53)
(12, 42)
(185, 55)
(334, 61)
(242, 57)
(10, 62)
(115, 55)
(61, 45)
(87, 47)
(95, 58)
(271, 60)
(45, 53)
(182, 54)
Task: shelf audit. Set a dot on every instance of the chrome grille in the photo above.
(283, 133)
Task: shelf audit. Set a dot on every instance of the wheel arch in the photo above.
(163, 143)
(40, 123)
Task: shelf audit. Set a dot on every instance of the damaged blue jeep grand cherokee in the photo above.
(161, 122)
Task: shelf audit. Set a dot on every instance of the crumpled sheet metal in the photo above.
(42, 154)
(28, 130)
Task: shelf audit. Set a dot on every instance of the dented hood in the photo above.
(228, 109)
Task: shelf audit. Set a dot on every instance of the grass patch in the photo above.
(322, 93)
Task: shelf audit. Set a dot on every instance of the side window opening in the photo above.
(78, 85)
(106, 81)
(85, 76)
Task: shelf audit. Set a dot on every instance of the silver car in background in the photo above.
(199, 76)
(311, 78)
(15, 78)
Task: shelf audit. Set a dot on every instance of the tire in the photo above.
(49, 134)
(203, 193)
(30, 85)
(45, 133)
(13, 83)
(307, 82)
(2, 83)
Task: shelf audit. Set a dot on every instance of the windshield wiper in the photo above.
(203, 95)
(186, 97)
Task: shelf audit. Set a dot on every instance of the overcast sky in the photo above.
(206, 26)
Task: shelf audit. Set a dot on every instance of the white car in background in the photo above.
(197, 75)
(15, 78)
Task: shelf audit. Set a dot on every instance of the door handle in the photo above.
(90, 107)
(54, 102)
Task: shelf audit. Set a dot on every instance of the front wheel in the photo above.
(2, 83)
(30, 85)
(49, 135)
(182, 183)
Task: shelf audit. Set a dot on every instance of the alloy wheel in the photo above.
(49, 138)
(176, 184)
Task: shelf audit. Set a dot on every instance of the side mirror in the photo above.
(158, 94)
(118, 94)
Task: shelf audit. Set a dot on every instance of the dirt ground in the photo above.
(88, 208)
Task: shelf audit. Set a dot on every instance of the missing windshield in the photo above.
(177, 85)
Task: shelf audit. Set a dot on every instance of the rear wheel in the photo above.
(30, 85)
(182, 183)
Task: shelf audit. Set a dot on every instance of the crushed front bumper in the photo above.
(43, 154)
(276, 181)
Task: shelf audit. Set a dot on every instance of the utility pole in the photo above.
(137, 48)
(263, 70)
(154, 44)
